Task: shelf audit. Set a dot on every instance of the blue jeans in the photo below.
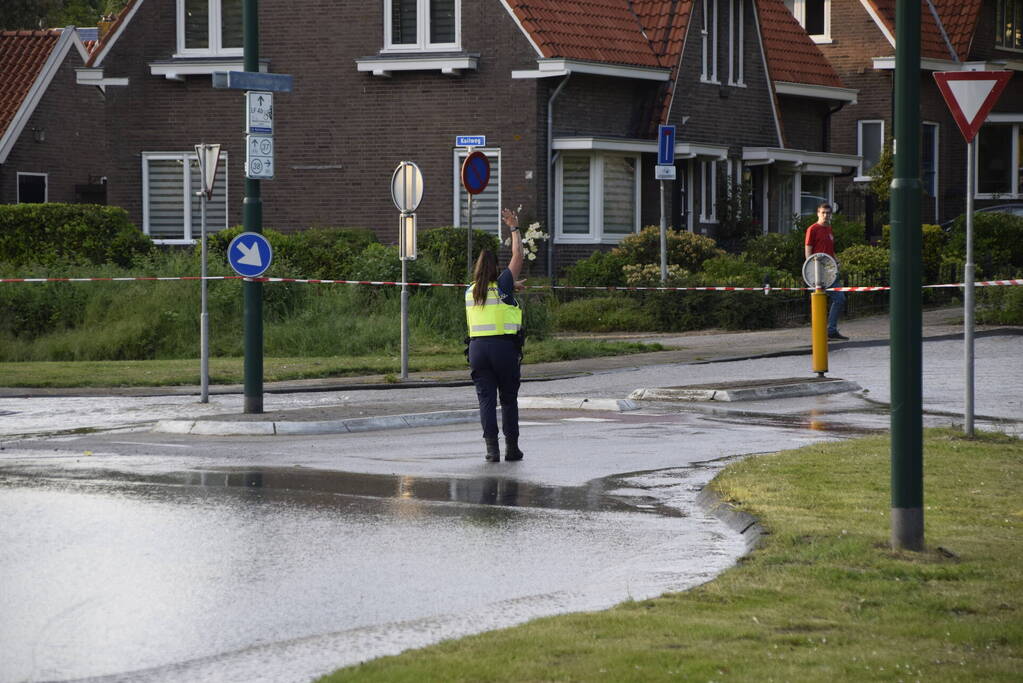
(837, 300)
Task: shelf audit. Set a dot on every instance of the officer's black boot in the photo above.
(511, 449)
(493, 449)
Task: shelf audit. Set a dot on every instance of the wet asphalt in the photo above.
(133, 554)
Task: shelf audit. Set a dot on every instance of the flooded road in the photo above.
(279, 575)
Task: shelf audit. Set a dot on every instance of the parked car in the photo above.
(809, 203)
(1014, 209)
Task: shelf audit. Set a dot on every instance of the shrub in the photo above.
(649, 275)
(737, 271)
(1000, 305)
(446, 247)
(781, 252)
(847, 232)
(933, 243)
(327, 253)
(604, 314)
(997, 243)
(75, 233)
(865, 266)
(685, 249)
(600, 269)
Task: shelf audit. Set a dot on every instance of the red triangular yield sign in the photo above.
(970, 95)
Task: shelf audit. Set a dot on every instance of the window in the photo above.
(869, 143)
(929, 158)
(1009, 24)
(210, 27)
(709, 34)
(1000, 161)
(814, 16)
(708, 191)
(813, 191)
(32, 188)
(598, 198)
(171, 211)
(411, 25)
(486, 206)
(736, 31)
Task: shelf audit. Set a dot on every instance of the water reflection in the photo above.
(400, 495)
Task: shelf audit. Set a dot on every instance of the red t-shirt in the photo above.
(821, 239)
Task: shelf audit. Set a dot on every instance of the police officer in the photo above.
(495, 343)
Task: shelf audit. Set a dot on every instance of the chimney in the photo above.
(104, 24)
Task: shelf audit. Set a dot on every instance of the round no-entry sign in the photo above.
(475, 172)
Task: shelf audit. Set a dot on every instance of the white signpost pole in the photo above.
(968, 277)
(209, 159)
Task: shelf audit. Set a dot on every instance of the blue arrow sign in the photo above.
(665, 144)
(249, 254)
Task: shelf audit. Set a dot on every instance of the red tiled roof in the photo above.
(22, 56)
(959, 18)
(792, 56)
(588, 30)
(105, 39)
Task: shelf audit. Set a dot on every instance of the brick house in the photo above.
(50, 128)
(577, 87)
(858, 38)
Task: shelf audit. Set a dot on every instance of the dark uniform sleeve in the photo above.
(506, 287)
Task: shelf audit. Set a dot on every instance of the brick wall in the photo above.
(340, 133)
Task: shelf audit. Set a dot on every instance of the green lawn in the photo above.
(231, 370)
(823, 598)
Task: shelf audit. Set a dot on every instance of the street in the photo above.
(132, 554)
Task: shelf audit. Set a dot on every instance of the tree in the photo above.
(34, 14)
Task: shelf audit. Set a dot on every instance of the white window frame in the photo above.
(937, 161)
(188, 194)
(46, 185)
(1015, 183)
(736, 39)
(422, 43)
(861, 175)
(214, 29)
(708, 191)
(798, 9)
(458, 193)
(596, 233)
(1017, 6)
(709, 36)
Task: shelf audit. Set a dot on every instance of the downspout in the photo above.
(826, 146)
(550, 176)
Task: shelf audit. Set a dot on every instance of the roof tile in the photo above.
(791, 54)
(959, 18)
(22, 56)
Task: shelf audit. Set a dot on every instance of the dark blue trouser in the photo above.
(495, 372)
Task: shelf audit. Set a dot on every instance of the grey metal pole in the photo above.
(968, 305)
(404, 319)
(204, 316)
(468, 232)
(664, 240)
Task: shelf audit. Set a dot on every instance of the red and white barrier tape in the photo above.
(767, 289)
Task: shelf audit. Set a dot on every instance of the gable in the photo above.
(947, 37)
(792, 56)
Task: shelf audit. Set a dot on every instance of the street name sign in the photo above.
(252, 80)
(970, 95)
(471, 141)
(249, 254)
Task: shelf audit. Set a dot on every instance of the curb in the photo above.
(745, 524)
(836, 386)
(568, 403)
(292, 428)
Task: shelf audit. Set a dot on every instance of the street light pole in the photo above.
(907, 516)
(252, 219)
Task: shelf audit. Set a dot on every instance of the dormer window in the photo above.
(209, 28)
(421, 25)
(814, 16)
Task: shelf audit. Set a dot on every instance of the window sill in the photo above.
(177, 68)
(177, 241)
(863, 179)
(448, 63)
(590, 239)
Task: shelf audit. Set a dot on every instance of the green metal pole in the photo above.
(252, 219)
(906, 349)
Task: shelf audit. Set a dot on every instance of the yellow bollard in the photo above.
(819, 330)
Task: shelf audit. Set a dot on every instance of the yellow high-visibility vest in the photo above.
(494, 317)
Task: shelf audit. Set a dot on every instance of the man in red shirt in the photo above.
(821, 240)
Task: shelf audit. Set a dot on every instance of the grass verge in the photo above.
(175, 372)
(822, 598)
